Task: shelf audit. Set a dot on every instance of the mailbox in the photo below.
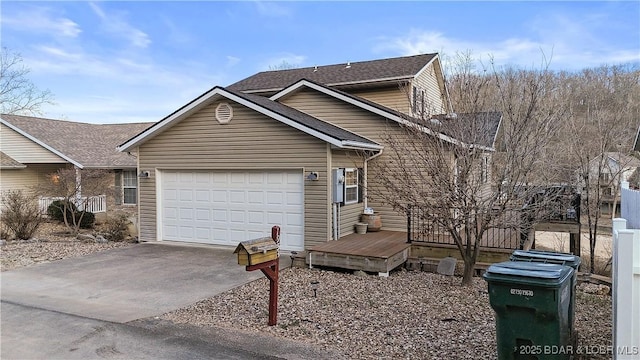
(256, 251)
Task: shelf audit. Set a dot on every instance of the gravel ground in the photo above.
(409, 315)
(50, 243)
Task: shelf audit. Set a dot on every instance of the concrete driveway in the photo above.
(125, 284)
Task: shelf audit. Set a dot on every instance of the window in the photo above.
(130, 186)
(351, 189)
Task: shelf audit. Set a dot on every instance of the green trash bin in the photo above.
(531, 301)
(548, 257)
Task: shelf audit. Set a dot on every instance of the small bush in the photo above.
(20, 214)
(116, 227)
(86, 219)
(55, 210)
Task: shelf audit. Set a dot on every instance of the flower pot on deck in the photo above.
(373, 221)
(361, 228)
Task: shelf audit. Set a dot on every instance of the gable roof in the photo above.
(322, 130)
(479, 128)
(7, 162)
(353, 73)
(401, 118)
(82, 144)
(617, 159)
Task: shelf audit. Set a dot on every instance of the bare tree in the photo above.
(597, 134)
(18, 95)
(284, 65)
(75, 187)
(440, 164)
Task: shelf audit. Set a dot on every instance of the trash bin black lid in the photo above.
(530, 273)
(546, 257)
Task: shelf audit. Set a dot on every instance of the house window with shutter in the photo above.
(130, 187)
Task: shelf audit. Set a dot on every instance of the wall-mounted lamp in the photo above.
(313, 176)
(143, 174)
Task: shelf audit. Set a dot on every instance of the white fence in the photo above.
(626, 291)
(630, 206)
(94, 204)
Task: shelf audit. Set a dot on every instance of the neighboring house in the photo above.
(33, 148)
(290, 147)
(617, 168)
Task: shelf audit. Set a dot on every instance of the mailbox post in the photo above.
(263, 254)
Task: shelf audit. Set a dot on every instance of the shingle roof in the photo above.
(7, 162)
(304, 119)
(91, 145)
(392, 69)
(479, 128)
(623, 159)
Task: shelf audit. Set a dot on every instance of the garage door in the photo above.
(225, 208)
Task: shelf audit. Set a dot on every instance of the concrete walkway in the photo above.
(125, 284)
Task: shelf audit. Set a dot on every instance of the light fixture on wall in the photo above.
(143, 174)
(313, 176)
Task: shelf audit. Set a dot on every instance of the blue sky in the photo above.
(108, 62)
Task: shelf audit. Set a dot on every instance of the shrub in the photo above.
(116, 227)
(55, 210)
(85, 219)
(20, 214)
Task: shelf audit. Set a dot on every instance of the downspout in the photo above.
(365, 183)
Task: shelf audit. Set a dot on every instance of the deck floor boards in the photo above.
(380, 244)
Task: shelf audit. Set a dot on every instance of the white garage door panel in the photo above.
(228, 207)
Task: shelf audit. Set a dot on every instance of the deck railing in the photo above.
(423, 227)
(94, 204)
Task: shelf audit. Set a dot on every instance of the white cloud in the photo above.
(42, 20)
(272, 9)
(115, 24)
(232, 60)
(567, 42)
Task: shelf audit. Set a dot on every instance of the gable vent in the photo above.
(224, 113)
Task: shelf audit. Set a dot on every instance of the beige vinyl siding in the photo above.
(27, 179)
(24, 150)
(349, 213)
(251, 141)
(429, 81)
(361, 122)
(395, 98)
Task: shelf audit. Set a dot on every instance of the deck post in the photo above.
(409, 224)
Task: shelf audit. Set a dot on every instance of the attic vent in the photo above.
(224, 113)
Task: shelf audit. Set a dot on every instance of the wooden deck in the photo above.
(379, 252)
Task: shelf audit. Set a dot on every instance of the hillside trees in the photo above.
(440, 165)
(603, 113)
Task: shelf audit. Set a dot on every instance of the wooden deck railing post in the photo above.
(409, 223)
